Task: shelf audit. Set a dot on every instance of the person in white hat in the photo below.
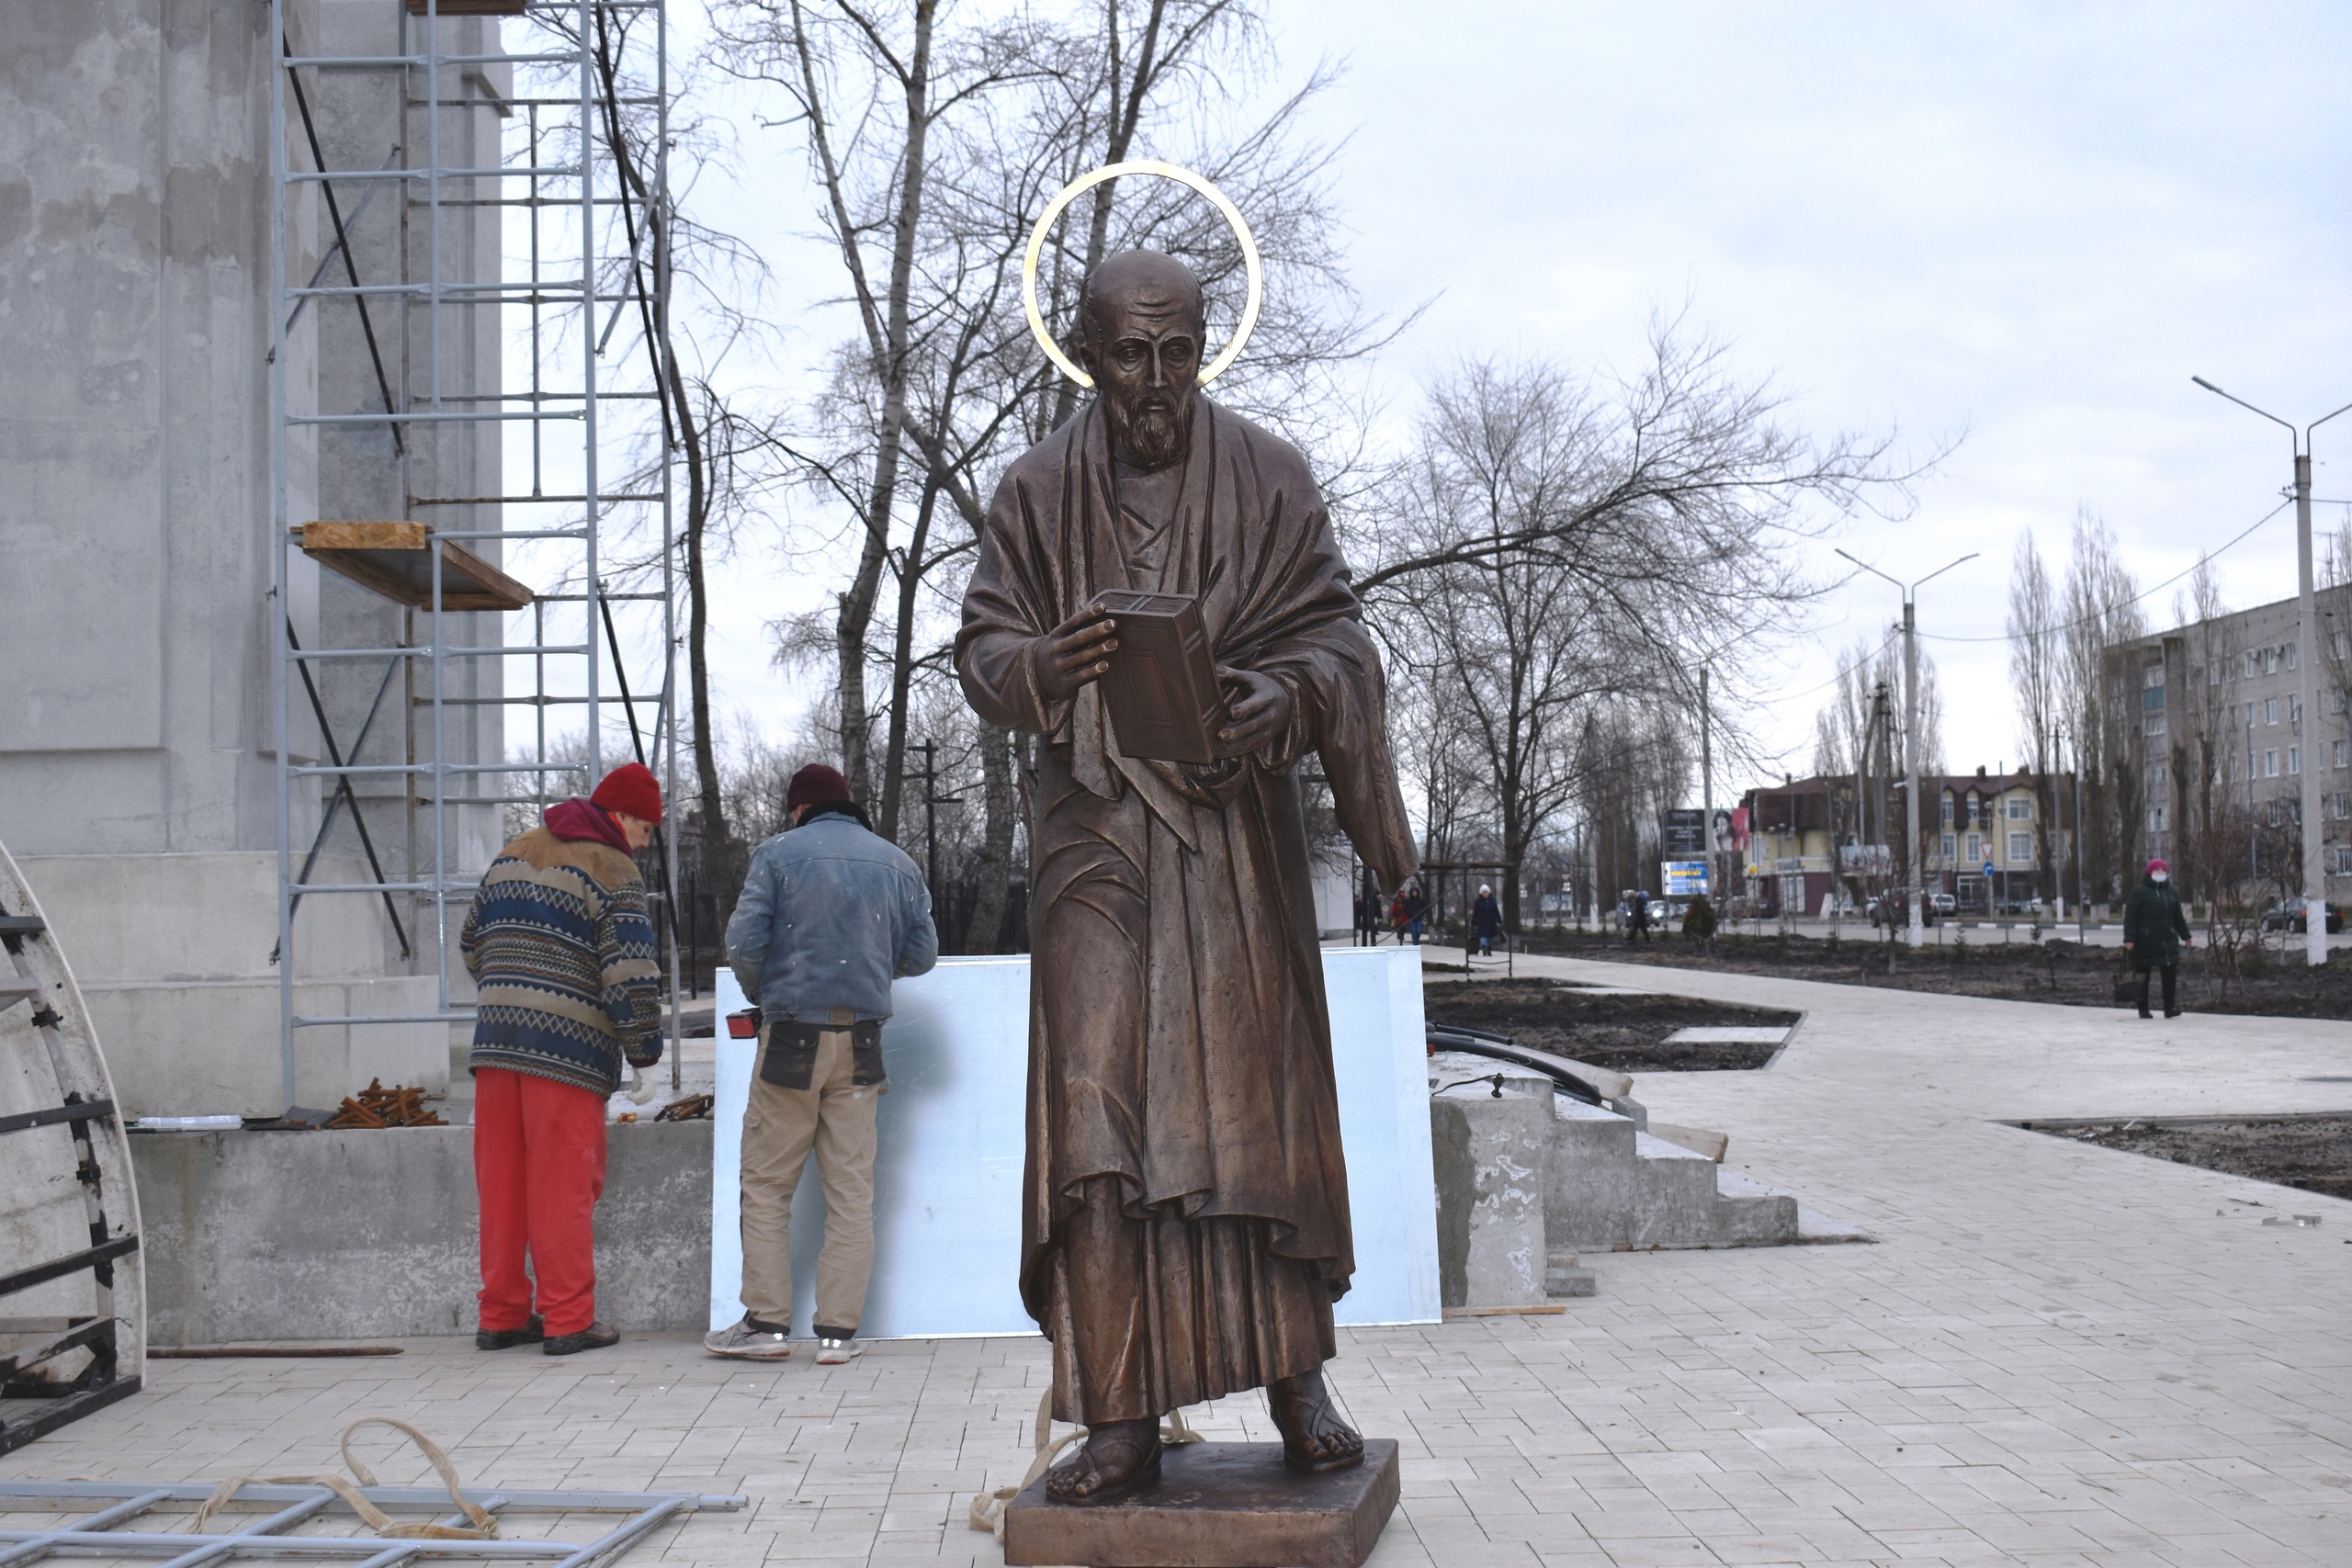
(1485, 920)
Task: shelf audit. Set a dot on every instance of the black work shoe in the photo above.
(2146, 1013)
(596, 1337)
(530, 1333)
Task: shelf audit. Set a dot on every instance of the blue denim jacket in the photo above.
(830, 914)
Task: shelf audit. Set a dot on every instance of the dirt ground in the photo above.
(1627, 1033)
(2063, 972)
(2313, 1153)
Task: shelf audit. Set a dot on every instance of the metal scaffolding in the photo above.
(577, 200)
(103, 1509)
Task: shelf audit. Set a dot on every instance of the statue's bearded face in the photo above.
(1144, 327)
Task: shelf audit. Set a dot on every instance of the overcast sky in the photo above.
(2027, 226)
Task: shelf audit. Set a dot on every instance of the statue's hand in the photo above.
(1257, 708)
(1077, 651)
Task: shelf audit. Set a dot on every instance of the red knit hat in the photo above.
(814, 785)
(2157, 864)
(630, 788)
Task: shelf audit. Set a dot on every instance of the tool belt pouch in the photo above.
(789, 1059)
(866, 1054)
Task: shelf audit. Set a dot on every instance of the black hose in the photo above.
(1476, 1043)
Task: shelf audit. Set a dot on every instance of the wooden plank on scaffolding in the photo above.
(390, 558)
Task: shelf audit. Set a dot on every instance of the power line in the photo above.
(1843, 668)
(2105, 611)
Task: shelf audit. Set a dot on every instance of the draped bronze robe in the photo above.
(1185, 1225)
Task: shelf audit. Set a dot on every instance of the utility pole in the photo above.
(2075, 750)
(2307, 677)
(932, 799)
(1911, 758)
(1707, 785)
(2253, 838)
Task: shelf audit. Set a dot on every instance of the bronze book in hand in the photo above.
(1165, 701)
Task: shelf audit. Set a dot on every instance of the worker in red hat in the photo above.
(831, 913)
(562, 950)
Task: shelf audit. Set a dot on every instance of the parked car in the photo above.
(1893, 908)
(1944, 903)
(2289, 914)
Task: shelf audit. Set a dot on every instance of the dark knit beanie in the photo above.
(814, 784)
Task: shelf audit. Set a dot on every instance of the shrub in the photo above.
(1699, 919)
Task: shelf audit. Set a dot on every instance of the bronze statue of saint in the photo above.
(1185, 1227)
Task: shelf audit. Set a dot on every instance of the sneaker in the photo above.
(530, 1333)
(742, 1340)
(834, 1352)
(596, 1337)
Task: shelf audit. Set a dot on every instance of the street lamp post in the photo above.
(1911, 731)
(2307, 669)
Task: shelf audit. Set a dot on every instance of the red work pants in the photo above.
(538, 1167)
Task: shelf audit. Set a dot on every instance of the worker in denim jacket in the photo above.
(830, 914)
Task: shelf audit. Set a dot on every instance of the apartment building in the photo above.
(1983, 839)
(2214, 742)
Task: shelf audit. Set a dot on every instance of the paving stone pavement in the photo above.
(2055, 1354)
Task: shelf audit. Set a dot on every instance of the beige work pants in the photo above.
(781, 1126)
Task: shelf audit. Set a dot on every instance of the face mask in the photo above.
(2163, 876)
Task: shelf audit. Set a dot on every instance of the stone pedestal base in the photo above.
(1216, 1506)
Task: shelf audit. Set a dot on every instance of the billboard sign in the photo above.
(1685, 878)
(1684, 835)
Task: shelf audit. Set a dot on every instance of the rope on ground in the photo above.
(986, 1512)
(483, 1527)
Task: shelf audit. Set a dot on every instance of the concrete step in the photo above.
(1562, 1277)
(1609, 1185)
(1749, 1214)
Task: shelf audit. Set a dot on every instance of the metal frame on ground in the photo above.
(122, 1501)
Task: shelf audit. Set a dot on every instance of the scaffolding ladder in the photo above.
(582, 301)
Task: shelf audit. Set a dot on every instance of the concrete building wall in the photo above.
(138, 719)
(133, 436)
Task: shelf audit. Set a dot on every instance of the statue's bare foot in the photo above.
(1114, 1457)
(1314, 1438)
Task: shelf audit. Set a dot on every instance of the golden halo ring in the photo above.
(1085, 183)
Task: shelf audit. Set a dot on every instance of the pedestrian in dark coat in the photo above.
(2155, 929)
(1416, 910)
(1486, 920)
(1637, 919)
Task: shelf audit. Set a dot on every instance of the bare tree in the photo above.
(1555, 544)
(1931, 758)
(1844, 725)
(2203, 758)
(2034, 684)
(684, 294)
(943, 386)
(2101, 611)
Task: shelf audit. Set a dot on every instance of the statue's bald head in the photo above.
(1144, 283)
(1142, 321)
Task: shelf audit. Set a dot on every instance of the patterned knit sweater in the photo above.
(559, 942)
